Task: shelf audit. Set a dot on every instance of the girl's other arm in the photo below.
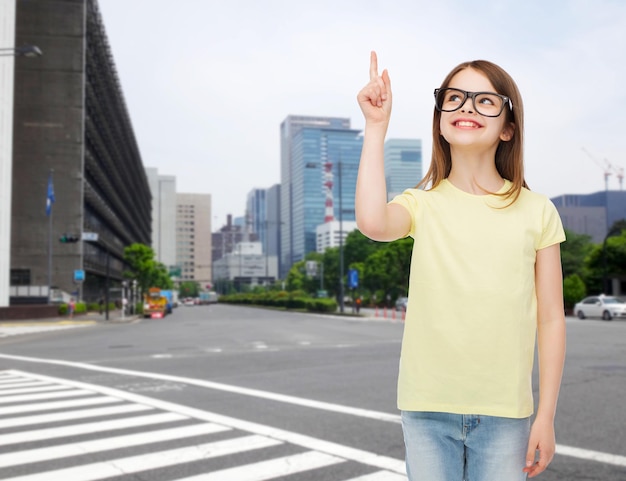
(551, 350)
(375, 218)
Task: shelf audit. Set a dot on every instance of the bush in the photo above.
(80, 308)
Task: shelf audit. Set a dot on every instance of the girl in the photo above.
(485, 280)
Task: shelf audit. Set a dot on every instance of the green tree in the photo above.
(188, 289)
(144, 268)
(386, 271)
(574, 251)
(573, 290)
(607, 260)
(295, 277)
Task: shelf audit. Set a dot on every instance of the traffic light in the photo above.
(68, 238)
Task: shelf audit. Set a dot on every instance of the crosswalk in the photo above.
(55, 429)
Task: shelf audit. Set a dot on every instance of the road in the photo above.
(225, 392)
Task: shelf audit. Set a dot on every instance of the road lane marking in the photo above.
(49, 406)
(598, 456)
(11, 383)
(144, 462)
(107, 444)
(580, 453)
(27, 390)
(36, 397)
(309, 403)
(315, 444)
(379, 476)
(90, 428)
(66, 416)
(270, 469)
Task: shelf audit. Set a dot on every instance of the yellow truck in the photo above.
(155, 304)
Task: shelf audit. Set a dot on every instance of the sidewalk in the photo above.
(115, 316)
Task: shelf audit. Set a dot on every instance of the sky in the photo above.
(207, 83)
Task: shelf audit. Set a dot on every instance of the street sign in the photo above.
(90, 236)
(79, 275)
(311, 268)
(353, 278)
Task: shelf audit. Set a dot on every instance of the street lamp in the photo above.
(23, 51)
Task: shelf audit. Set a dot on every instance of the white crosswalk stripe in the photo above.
(50, 431)
(273, 468)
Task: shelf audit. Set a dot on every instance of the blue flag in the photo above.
(50, 196)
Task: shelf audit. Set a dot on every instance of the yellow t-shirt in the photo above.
(470, 326)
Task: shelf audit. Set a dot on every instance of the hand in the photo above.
(375, 98)
(542, 439)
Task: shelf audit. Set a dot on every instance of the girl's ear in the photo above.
(507, 132)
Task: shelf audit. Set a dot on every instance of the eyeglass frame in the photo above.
(472, 95)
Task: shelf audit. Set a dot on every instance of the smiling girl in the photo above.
(485, 282)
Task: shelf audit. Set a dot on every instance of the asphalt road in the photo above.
(249, 394)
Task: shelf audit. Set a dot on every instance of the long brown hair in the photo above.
(509, 154)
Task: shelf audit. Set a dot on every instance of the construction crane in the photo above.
(608, 169)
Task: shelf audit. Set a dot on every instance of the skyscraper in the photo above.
(403, 165)
(163, 190)
(319, 162)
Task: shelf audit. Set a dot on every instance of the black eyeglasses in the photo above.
(488, 104)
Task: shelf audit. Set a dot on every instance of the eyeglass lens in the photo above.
(485, 103)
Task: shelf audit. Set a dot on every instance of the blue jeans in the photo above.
(458, 447)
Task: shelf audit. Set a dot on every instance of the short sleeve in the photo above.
(552, 228)
(408, 200)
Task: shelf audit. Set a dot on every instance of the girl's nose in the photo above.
(467, 106)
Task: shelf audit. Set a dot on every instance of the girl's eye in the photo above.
(453, 97)
(487, 100)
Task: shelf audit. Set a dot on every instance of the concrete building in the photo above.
(70, 117)
(193, 238)
(333, 233)
(403, 165)
(163, 190)
(319, 162)
(591, 214)
(246, 265)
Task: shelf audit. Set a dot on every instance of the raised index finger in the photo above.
(373, 66)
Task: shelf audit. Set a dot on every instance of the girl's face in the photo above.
(466, 128)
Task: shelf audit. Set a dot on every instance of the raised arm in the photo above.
(375, 218)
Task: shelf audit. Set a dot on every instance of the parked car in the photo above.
(401, 303)
(603, 307)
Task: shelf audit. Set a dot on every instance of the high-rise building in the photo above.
(591, 214)
(403, 165)
(193, 238)
(319, 162)
(163, 190)
(273, 224)
(70, 117)
(256, 212)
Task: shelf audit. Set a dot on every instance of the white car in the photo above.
(603, 307)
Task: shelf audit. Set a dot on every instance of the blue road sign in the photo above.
(79, 275)
(353, 278)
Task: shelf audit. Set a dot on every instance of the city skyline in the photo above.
(209, 82)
